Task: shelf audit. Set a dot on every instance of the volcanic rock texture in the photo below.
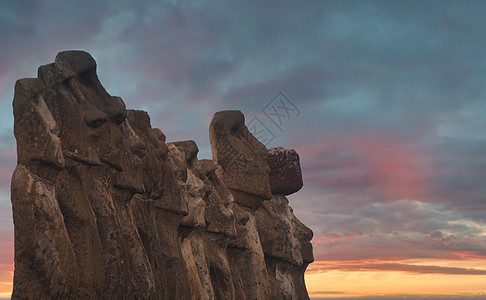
(104, 208)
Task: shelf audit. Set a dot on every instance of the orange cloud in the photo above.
(6, 279)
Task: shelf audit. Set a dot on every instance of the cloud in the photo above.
(353, 229)
(6, 246)
(6, 275)
(319, 267)
(391, 135)
(462, 296)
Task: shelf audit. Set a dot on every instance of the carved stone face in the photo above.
(35, 127)
(304, 235)
(282, 235)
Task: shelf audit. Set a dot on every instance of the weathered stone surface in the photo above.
(105, 209)
(286, 244)
(285, 174)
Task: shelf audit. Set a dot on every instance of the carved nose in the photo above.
(305, 232)
(308, 233)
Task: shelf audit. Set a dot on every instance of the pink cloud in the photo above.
(6, 249)
(398, 168)
(5, 175)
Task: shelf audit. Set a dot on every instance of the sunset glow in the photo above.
(6, 278)
(337, 283)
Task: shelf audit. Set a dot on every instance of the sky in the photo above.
(383, 100)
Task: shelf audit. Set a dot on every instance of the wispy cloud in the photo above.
(388, 266)
(327, 296)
